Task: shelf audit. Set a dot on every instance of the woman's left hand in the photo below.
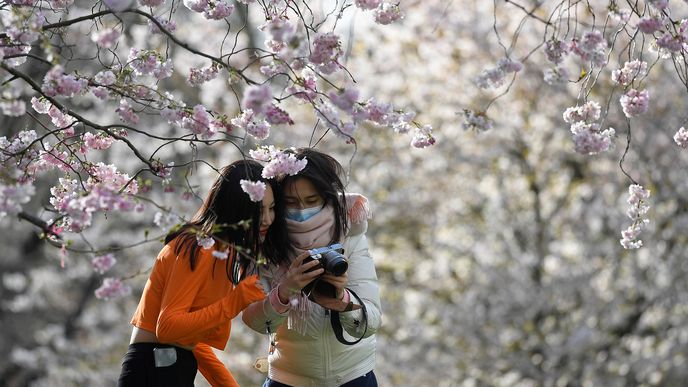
(339, 282)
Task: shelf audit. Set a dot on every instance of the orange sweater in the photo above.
(194, 308)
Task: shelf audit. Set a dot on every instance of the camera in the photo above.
(331, 259)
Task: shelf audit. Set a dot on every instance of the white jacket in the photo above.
(318, 358)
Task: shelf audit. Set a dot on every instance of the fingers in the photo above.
(298, 260)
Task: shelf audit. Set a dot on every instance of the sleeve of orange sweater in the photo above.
(213, 370)
(177, 324)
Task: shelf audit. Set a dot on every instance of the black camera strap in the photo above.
(337, 324)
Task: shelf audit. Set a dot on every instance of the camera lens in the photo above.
(334, 262)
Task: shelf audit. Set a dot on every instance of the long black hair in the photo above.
(228, 215)
(325, 173)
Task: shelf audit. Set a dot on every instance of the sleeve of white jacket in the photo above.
(261, 316)
(363, 281)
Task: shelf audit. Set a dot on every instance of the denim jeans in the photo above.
(367, 380)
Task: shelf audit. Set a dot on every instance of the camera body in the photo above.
(331, 259)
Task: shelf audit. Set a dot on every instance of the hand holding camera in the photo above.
(298, 276)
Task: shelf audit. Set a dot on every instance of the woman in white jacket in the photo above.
(305, 351)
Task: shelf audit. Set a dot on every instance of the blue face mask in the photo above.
(302, 215)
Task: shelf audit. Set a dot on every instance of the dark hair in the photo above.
(224, 215)
(324, 172)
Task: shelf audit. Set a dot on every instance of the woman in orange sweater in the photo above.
(200, 281)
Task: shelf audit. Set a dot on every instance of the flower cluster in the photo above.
(591, 47)
(681, 138)
(198, 76)
(168, 25)
(422, 137)
(253, 125)
(104, 190)
(211, 9)
(59, 118)
(56, 82)
(149, 62)
(205, 242)
(587, 136)
(103, 263)
(631, 70)
(674, 43)
(495, 77)
(106, 38)
(636, 211)
(477, 121)
(279, 163)
(112, 288)
(634, 102)
(649, 25)
(254, 189)
(325, 52)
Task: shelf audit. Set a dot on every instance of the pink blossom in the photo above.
(205, 242)
(221, 255)
(97, 141)
(648, 25)
(588, 112)
(60, 4)
(56, 83)
(305, 87)
(60, 119)
(198, 76)
(112, 288)
(151, 3)
(556, 75)
(276, 116)
(670, 42)
(635, 102)
(105, 78)
(681, 138)
(631, 70)
(199, 122)
(279, 30)
(283, 164)
(556, 50)
(659, 4)
(254, 189)
(40, 105)
(491, 78)
(636, 211)
(106, 38)
(377, 112)
(367, 4)
(326, 51)
(387, 13)
(163, 69)
(509, 66)
(168, 25)
(103, 263)
(219, 10)
(13, 195)
(13, 107)
(476, 120)
(100, 92)
(344, 99)
(264, 153)
(126, 112)
(257, 98)
(260, 129)
(423, 138)
(400, 121)
(589, 140)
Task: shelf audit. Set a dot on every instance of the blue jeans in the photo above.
(367, 380)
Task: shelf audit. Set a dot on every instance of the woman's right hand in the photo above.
(296, 277)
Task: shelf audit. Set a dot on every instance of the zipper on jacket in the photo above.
(325, 345)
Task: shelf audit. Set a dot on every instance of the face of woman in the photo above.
(300, 194)
(267, 212)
